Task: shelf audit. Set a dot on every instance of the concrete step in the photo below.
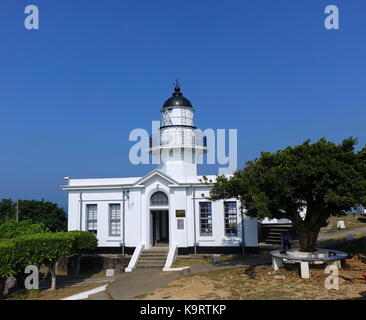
(153, 255)
(153, 258)
(273, 241)
(155, 251)
(274, 238)
(152, 261)
(149, 267)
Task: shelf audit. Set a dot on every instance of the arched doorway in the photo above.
(159, 211)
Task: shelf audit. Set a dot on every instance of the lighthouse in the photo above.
(168, 210)
(178, 145)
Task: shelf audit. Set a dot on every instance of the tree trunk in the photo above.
(308, 236)
(52, 268)
(78, 262)
(2, 286)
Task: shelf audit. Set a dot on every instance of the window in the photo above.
(206, 218)
(231, 219)
(115, 220)
(92, 218)
(159, 198)
(180, 224)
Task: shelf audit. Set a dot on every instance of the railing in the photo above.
(135, 258)
(178, 138)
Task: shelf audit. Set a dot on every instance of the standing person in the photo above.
(286, 240)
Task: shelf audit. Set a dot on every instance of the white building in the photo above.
(168, 205)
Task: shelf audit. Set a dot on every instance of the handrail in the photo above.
(178, 138)
(135, 258)
(173, 250)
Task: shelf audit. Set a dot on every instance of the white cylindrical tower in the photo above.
(179, 144)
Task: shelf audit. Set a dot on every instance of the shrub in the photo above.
(8, 258)
(46, 248)
(12, 228)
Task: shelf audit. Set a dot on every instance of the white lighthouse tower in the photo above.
(178, 145)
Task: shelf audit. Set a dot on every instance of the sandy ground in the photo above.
(57, 294)
(262, 283)
(351, 221)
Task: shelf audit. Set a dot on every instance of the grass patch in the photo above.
(180, 263)
(351, 221)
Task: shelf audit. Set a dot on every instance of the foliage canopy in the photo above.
(17, 253)
(11, 229)
(321, 179)
(45, 212)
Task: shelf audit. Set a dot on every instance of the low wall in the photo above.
(10, 285)
(102, 262)
(92, 263)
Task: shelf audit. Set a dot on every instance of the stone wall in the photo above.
(92, 263)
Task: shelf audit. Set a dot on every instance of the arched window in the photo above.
(159, 198)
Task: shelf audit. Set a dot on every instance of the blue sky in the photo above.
(71, 92)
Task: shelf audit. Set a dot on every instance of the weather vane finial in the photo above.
(177, 85)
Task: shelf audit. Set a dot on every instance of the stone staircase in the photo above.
(274, 234)
(153, 258)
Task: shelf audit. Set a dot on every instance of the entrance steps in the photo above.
(273, 233)
(153, 258)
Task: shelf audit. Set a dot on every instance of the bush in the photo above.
(47, 248)
(11, 228)
(8, 258)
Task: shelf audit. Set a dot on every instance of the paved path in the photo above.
(69, 282)
(143, 281)
(340, 234)
(139, 282)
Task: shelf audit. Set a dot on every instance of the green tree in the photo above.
(7, 210)
(45, 212)
(43, 248)
(321, 179)
(11, 229)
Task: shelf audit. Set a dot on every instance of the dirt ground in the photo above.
(351, 221)
(54, 295)
(263, 283)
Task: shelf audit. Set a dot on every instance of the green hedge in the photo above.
(8, 256)
(17, 253)
(12, 229)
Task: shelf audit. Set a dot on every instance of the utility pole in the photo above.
(17, 212)
(242, 226)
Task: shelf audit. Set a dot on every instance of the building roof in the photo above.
(102, 181)
(177, 99)
(116, 183)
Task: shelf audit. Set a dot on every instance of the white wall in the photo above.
(219, 238)
(178, 198)
(138, 219)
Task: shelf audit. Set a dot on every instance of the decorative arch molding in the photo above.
(159, 199)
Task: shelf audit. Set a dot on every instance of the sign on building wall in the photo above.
(180, 213)
(180, 224)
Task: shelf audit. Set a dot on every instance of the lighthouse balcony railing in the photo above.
(178, 139)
